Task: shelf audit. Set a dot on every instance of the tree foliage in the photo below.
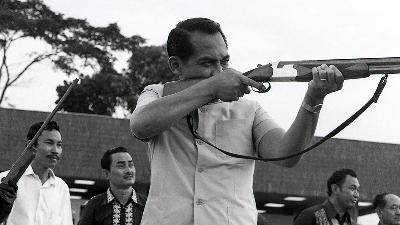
(75, 46)
(147, 65)
(102, 92)
(99, 94)
(70, 39)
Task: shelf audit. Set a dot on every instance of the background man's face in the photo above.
(348, 193)
(122, 171)
(210, 56)
(390, 214)
(49, 149)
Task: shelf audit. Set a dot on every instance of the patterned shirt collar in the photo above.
(111, 197)
(332, 213)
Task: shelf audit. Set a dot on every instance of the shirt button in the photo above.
(200, 201)
(199, 142)
(200, 170)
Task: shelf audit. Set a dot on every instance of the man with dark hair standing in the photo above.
(120, 204)
(42, 197)
(387, 207)
(189, 177)
(343, 195)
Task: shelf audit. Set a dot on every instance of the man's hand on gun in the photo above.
(326, 79)
(230, 84)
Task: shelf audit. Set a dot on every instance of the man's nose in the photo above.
(55, 149)
(130, 170)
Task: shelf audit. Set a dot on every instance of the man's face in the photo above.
(49, 149)
(122, 171)
(349, 193)
(210, 56)
(390, 214)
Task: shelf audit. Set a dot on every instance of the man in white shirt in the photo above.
(191, 181)
(42, 198)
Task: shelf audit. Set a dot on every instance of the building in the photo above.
(280, 192)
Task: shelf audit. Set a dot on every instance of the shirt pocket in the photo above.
(235, 136)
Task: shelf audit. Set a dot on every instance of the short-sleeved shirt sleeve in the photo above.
(149, 94)
(263, 123)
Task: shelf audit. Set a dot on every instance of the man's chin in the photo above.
(129, 183)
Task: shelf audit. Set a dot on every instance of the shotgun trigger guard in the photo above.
(268, 88)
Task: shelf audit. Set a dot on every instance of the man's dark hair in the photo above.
(106, 159)
(178, 43)
(52, 125)
(338, 177)
(380, 201)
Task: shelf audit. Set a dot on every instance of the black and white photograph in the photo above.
(151, 112)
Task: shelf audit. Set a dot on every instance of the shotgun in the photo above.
(300, 71)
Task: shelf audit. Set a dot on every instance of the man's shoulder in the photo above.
(313, 208)
(96, 200)
(309, 212)
(61, 182)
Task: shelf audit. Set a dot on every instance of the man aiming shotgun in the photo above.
(190, 177)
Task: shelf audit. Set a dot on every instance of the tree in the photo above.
(97, 94)
(74, 43)
(148, 65)
(104, 91)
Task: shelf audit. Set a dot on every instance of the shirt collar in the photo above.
(52, 176)
(111, 197)
(331, 211)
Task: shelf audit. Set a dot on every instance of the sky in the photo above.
(258, 32)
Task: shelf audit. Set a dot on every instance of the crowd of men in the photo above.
(186, 125)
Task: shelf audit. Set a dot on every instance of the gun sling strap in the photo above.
(190, 120)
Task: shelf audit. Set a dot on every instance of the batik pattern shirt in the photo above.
(105, 209)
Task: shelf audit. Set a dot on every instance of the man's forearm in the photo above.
(296, 138)
(157, 116)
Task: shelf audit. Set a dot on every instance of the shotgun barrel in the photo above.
(300, 71)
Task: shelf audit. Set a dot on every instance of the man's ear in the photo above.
(106, 173)
(335, 188)
(175, 63)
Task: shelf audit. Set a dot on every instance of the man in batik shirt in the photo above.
(341, 206)
(120, 204)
